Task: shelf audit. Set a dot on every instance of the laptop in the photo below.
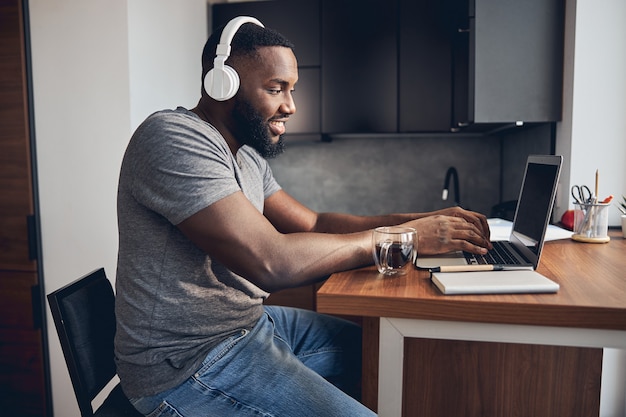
(532, 216)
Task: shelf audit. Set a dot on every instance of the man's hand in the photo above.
(477, 219)
(451, 230)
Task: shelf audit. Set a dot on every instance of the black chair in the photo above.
(84, 316)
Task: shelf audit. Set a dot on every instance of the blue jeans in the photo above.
(292, 363)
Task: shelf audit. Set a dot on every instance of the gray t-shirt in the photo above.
(173, 302)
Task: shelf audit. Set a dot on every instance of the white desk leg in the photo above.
(613, 391)
(390, 364)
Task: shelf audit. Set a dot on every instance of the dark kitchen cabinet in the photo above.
(440, 65)
(426, 86)
(509, 64)
(399, 66)
(479, 63)
(359, 66)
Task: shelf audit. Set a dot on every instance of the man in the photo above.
(206, 233)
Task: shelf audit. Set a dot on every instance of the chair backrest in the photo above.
(84, 316)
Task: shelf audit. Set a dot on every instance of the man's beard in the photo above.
(252, 130)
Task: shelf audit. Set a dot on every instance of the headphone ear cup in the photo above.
(221, 84)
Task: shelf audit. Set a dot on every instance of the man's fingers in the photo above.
(475, 224)
(478, 220)
(469, 236)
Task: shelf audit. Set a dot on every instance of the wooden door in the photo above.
(23, 374)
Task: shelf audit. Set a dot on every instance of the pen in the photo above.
(469, 268)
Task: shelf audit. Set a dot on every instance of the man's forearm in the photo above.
(347, 223)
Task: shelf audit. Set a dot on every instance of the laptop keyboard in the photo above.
(499, 255)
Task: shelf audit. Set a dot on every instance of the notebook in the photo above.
(501, 282)
(532, 216)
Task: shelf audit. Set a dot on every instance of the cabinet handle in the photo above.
(461, 30)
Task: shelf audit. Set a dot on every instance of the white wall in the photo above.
(99, 67)
(80, 77)
(593, 132)
(165, 44)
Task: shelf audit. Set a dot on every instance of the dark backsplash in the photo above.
(374, 174)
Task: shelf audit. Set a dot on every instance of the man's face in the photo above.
(264, 102)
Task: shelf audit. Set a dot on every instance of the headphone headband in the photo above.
(231, 28)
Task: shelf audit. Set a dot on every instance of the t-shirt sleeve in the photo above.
(179, 170)
(270, 186)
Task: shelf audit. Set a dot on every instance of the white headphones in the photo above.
(222, 82)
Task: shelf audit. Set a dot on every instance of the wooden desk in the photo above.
(543, 352)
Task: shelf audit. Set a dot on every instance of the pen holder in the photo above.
(591, 223)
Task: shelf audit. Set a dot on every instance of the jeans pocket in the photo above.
(146, 407)
(221, 350)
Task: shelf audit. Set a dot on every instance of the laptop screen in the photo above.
(535, 201)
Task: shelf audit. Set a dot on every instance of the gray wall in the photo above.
(374, 174)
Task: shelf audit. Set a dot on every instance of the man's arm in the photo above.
(288, 215)
(292, 245)
(236, 234)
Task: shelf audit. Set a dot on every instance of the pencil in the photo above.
(596, 194)
(470, 268)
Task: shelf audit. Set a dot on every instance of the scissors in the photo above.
(581, 194)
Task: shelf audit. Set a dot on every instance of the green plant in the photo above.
(622, 205)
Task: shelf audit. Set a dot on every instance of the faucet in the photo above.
(444, 195)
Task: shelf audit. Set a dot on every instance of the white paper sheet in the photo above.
(501, 230)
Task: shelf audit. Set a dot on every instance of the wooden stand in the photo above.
(585, 239)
